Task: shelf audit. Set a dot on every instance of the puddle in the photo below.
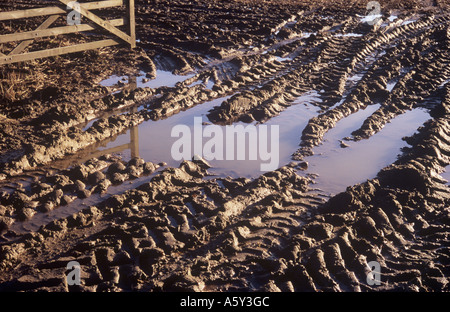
(348, 35)
(407, 22)
(446, 175)
(209, 84)
(312, 96)
(370, 18)
(392, 18)
(152, 140)
(338, 167)
(163, 79)
(390, 85)
(283, 59)
(113, 81)
(291, 123)
(117, 111)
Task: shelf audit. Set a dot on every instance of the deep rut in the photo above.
(181, 229)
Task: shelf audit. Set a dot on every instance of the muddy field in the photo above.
(363, 111)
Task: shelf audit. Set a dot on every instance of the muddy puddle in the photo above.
(333, 167)
(153, 140)
(446, 175)
(163, 79)
(354, 162)
(283, 59)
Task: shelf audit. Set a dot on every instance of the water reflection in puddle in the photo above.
(349, 35)
(338, 167)
(283, 59)
(446, 175)
(209, 83)
(163, 79)
(291, 123)
(107, 114)
(153, 140)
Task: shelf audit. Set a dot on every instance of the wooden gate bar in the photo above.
(12, 15)
(102, 23)
(24, 44)
(34, 34)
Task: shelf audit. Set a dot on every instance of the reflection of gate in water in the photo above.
(133, 145)
(93, 152)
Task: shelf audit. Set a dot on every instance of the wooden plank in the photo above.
(101, 4)
(58, 51)
(102, 23)
(24, 44)
(11, 15)
(54, 31)
(131, 23)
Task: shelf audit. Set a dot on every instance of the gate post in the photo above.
(131, 22)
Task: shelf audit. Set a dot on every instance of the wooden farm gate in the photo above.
(116, 35)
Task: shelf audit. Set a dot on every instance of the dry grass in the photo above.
(12, 86)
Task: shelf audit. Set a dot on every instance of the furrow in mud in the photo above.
(372, 88)
(134, 225)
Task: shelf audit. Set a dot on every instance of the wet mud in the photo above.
(85, 172)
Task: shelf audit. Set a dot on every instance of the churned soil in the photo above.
(178, 228)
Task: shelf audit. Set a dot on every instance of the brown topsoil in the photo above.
(178, 229)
